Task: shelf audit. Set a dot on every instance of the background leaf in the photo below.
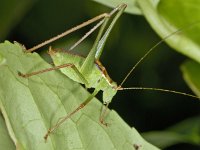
(191, 74)
(155, 15)
(30, 106)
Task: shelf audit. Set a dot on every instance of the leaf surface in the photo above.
(5, 140)
(30, 106)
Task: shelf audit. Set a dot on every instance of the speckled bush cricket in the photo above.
(89, 71)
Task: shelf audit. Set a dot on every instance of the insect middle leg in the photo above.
(81, 77)
(104, 114)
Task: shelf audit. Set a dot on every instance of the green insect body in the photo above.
(96, 78)
(89, 71)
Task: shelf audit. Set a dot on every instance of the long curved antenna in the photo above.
(152, 48)
(159, 89)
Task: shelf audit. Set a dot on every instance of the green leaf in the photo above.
(191, 74)
(187, 131)
(132, 6)
(11, 11)
(166, 16)
(5, 140)
(30, 106)
(180, 15)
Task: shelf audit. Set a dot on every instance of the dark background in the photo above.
(130, 39)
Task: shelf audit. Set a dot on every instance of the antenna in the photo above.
(152, 48)
(158, 89)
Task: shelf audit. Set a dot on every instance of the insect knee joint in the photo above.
(107, 15)
(72, 65)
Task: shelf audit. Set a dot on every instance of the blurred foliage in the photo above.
(11, 12)
(187, 131)
(191, 73)
(130, 39)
